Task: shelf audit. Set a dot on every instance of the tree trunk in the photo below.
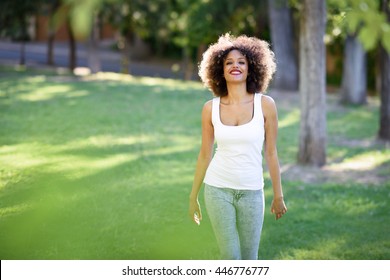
(22, 60)
(51, 34)
(125, 60)
(200, 50)
(312, 143)
(23, 39)
(72, 46)
(50, 47)
(282, 35)
(384, 125)
(354, 85)
(187, 63)
(93, 47)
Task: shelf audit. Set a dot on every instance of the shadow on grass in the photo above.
(46, 110)
(330, 221)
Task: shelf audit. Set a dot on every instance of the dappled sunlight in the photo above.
(325, 247)
(149, 145)
(111, 76)
(360, 205)
(12, 210)
(76, 167)
(168, 150)
(111, 140)
(177, 144)
(361, 162)
(50, 92)
(35, 79)
(55, 159)
(9, 176)
(82, 71)
(289, 119)
(39, 88)
(349, 124)
(146, 81)
(74, 160)
(21, 156)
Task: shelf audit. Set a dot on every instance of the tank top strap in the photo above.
(258, 110)
(215, 110)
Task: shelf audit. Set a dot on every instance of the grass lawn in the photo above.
(101, 168)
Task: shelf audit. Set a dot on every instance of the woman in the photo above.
(241, 120)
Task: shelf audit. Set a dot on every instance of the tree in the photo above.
(50, 8)
(202, 22)
(14, 16)
(79, 18)
(93, 46)
(72, 44)
(384, 128)
(282, 35)
(167, 26)
(120, 14)
(369, 20)
(354, 81)
(354, 75)
(64, 15)
(312, 144)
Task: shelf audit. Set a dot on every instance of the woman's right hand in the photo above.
(194, 211)
(278, 207)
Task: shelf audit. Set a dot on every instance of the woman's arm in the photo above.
(204, 158)
(278, 206)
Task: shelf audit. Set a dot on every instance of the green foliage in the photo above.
(14, 15)
(81, 14)
(138, 16)
(207, 20)
(361, 17)
(185, 23)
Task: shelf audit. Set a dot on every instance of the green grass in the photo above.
(102, 169)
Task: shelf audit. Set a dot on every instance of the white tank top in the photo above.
(237, 162)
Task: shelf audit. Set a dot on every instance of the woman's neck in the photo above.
(237, 94)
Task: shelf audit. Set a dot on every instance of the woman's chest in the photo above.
(236, 115)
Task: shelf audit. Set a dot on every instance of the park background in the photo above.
(99, 165)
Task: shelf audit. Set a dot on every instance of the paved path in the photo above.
(36, 53)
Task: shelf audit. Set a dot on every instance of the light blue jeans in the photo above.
(237, 219)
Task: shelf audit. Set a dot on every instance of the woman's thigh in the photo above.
(250, 217)
(222, 214)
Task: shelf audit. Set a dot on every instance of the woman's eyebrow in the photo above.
(242, 57)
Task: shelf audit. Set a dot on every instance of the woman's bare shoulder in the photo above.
(268, 104)
(208, 105)
(267, 100)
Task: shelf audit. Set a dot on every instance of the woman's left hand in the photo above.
(194, 211)
(278, 207)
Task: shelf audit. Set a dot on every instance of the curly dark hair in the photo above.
(261, 63)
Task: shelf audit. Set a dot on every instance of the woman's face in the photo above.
(235, 67)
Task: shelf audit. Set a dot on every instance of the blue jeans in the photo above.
(237, 219)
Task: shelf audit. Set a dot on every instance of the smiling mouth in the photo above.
(235, 72)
